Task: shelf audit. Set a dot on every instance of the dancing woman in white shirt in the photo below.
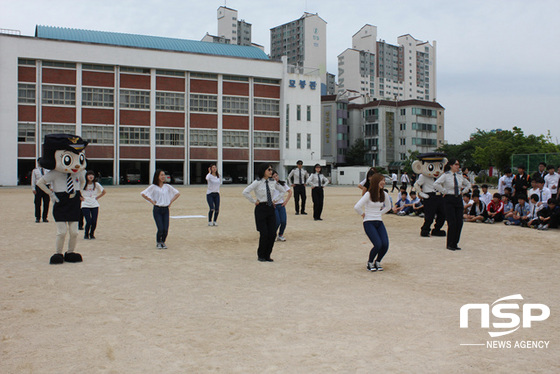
(371, 207)
(91, 193)
(213, 194)
(265, 216)
(161, 196)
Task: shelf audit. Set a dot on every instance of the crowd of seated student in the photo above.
(522, 200)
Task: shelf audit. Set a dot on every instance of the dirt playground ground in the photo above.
(207, 305)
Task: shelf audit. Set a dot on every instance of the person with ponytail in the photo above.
(371, 207)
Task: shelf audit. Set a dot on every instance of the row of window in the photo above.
(139, 99)
(164, 136)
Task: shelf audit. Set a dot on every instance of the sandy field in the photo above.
(207, 305)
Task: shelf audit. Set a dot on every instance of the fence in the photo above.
(531, 161)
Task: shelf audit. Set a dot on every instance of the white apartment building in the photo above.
(376, 69)
(304, 42)
(231, 30)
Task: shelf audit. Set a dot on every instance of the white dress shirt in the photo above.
(313, 180)
(213, 183)
(293, 177)
(504, 182)
(162, 196)
(259, 189)
(373, 209)
(37, 174)
(277, 196)
(90, 193)
(486, 197)
(446, 184)
(551, 182)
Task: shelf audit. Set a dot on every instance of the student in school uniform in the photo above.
(364, 185)
(41, 197)
(505, 181)
(495, 209)
(551, 181)
(373, 204)
(452, 185)
(416, 206)
(508, 206)
(317, 181)
(534, 209)
(405, 180)
(297, 179)
(521, 182)
(477, 212)
(91, 193)
(280, 205)
(467, 204)
(485, 196)
(161, 195)
(213, 194)
(521, 213)
(265, 212)
(400, 207)
(549, 216)
(543, 192)
(394, 179)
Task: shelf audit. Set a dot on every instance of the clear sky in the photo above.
(498, 61)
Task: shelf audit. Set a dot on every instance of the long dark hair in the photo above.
(262, 169)
(282, 183)
(217, 173)
(369, 174)
(90, 172)
(155, 180)
(375, 192)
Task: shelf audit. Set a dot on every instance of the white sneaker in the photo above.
(545, 227)
(378, 266)
(158, 246)
(281, 238)
(210, 224)
(163, 246)
(215, 223)
(371, 266)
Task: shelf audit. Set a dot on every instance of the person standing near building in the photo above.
(41, 197)
(521, 182)
(265, 213)
(452, 185)
(161, 195)
(394, 179)
(551, 181)
(371, 207)
(91, 193)
(280, 204)
(317, 181)
(213, 194)
(405, 180)
(297, 178)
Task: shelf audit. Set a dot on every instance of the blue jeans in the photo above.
(161, 216)
(90, 214)
(213, 200)
(377, 234)
(281, 219)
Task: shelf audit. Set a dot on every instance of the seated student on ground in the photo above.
(485, 196)
(509, 193)
(521, 213)
(549, 216)
(478, 209)
(534, 209)
(495, 209)
(416, 206)
(508, 206)
(467, 203)
(400, 207)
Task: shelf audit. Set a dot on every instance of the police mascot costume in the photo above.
(63, 155)
(429, 167)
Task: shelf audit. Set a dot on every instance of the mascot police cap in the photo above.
(60, 142)
(431, 156)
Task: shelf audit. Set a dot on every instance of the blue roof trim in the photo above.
(150, 42)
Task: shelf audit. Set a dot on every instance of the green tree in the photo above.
(356, 154)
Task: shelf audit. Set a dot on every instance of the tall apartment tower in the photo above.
(304, 42)
(231, 28)
(379, 70)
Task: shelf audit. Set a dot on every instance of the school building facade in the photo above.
(145, 103)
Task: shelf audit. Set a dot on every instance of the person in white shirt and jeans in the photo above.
(91, 193)
(213, 194)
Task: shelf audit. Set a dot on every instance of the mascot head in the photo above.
(430, 164)
(64, 153)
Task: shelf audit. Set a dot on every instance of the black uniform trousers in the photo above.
(318, 196)
(44, 198)
(433, 207)
(265, 219)
(453, 206)
(299, 191)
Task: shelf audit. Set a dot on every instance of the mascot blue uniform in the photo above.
(429, 167)
(63, 155)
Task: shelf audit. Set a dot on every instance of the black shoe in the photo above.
(37, 221)
(297, 213)
(80, 228)
(425, 234)
(269, 260)
(457, 248)
(304, 213)
(438, 233)
(56, 259)
(86, 237)
(91, 236)
(452, 248)
(262, 259)
(318, 219)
